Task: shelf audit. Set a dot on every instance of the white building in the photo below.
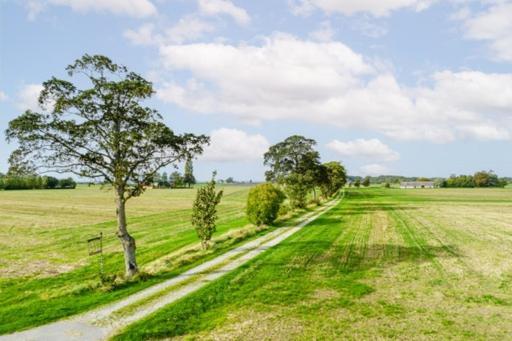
(417, 184)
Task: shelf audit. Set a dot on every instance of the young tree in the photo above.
(357, 183)
(95, 126)
(294, 163)
(204, 212)
(188, 176)
(176, 180)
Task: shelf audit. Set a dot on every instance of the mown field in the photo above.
(408, 264)
(45, 271)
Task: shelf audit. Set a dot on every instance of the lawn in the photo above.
(385, 263)
(45, 271)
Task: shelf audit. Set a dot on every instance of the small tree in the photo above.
(96, 127)
(357, 183)
(204, 212)
(263, 203)
(188, 176)
(366, 181)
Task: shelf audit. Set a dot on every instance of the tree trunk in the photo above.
(127, 241)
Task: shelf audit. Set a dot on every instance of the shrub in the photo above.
(67, 183)
(263, 204)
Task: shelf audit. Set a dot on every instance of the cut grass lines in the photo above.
(383, 264)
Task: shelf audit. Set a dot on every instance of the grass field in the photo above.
(45, 272)
(408, 264)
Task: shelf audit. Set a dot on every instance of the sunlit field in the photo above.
(385, 263)
(45, 270)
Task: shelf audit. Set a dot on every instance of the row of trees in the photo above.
(479, 179)
(35, 182)
(95, 126)
(295, 165)
(176, 179)
(295, 172)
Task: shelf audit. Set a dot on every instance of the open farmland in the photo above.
(45, 272)
(409, 264)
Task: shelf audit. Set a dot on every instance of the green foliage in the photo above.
(387, 185)
(357, 183)
(67, 183)
(19, 166)
(188, 176)
(176, 180)
(95, 126)
(263, 204)
(333, 176)
(295, 164)
(366, 181)
(204, 212)
(35, 182)
(479, 179)
(51, 182)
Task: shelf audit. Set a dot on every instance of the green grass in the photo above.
(46, 273)
(385, 263)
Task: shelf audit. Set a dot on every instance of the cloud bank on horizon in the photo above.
(224, 61)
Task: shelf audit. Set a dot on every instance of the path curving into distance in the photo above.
(102, 323)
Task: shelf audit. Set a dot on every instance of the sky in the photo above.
(409, 87)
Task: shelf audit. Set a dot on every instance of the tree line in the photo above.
(479, 179)
(13, 182)
(94, 125)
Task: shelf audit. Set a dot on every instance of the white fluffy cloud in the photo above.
(187, 29)
(224, 7)
(328, 83)
(27, 98)
(374, 169)
(494, 26)
(132, 8)
(232, 145)
(372, 149)
(3, 96)
(349, 7)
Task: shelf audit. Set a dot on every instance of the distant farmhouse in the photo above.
(417, 184)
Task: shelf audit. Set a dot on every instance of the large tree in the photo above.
(295, 163)
(333, 176)
(95, 126)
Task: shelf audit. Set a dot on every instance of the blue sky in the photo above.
(412, 87)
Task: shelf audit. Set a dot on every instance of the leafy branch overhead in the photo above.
(101, 130)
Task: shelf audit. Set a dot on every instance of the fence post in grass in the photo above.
(95, 246)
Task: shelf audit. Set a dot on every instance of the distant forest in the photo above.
(479, 179)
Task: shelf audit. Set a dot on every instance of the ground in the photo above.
(45, 271)
(385, 263)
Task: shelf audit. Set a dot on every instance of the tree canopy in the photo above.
(94, 125)
(295, 163)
